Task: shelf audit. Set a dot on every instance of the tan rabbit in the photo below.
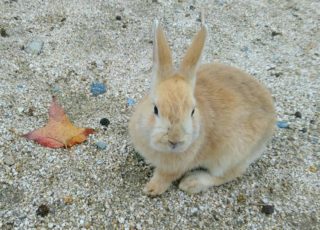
(212, 116)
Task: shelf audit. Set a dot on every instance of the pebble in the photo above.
(282, 124)
(55, 89)
(194, 210)
(131, 101)
(267, 209)
(121, 220)
(9, 160)
(298, 114)
(3, 32)
(105, 122)
(68, 200)
(100, 162)
(35, 46)
(50, 225)
(304, 130)
(43, 210)
(313, 169)
(101, 145)
(98, 88)
(118, 17)
(20, 109)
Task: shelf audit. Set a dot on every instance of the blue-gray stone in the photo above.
(97, 88)
(35, 46)
(131, 101)
(282, 124)
(101, 145)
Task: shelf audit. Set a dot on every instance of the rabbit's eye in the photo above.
(192, 113)
(155, 110)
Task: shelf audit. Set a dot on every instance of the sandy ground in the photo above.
(91, 188)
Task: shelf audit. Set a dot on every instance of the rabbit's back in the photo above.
(237, 112)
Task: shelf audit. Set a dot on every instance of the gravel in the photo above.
(84, 42)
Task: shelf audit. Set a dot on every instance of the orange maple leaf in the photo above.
(59, 132)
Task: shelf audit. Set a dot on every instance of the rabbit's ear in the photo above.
(192, 57)
(162, 59)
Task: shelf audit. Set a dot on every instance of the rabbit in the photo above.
(210, 116)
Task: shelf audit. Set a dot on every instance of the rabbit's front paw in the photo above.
(155, 187)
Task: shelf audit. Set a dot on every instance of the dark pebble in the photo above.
(192, 7)
(312, 122)
(298, 114)
(275, 33)
(118, 17)
(105, 122)
(124, 26)
(3, 32)
(267, 209)
(43, 210)
(304, 130)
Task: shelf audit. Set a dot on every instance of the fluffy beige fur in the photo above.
(215, 116)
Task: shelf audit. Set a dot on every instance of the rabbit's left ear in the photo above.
(162, 58)
(192, 58)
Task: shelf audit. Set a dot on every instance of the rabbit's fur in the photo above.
(215, 117)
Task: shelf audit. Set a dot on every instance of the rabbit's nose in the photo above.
(174, 144)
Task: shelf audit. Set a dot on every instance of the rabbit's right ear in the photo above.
(162, 58)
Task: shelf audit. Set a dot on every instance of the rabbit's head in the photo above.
(173, 114)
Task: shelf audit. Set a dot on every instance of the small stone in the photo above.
(20, 109)
(191, 7)
(282, 124)
(3, 32)
(245, 49)
(267, 209)
(50, 225)
(97, 88)
(275, 33)
(30, 111)
(194, 211)
(241, 198)
(101, 145)
(55, 89)
(313, 169)
(99, 162)
(105, 122)
(34, 47)
(118, 17)
(43, 210)
(68, 200)
(131, 101)
(304, 130)
(298, 114)
(8, 160)
(121, 220)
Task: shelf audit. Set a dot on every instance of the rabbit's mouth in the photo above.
(172, 147)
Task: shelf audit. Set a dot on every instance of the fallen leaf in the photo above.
(59, 132)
